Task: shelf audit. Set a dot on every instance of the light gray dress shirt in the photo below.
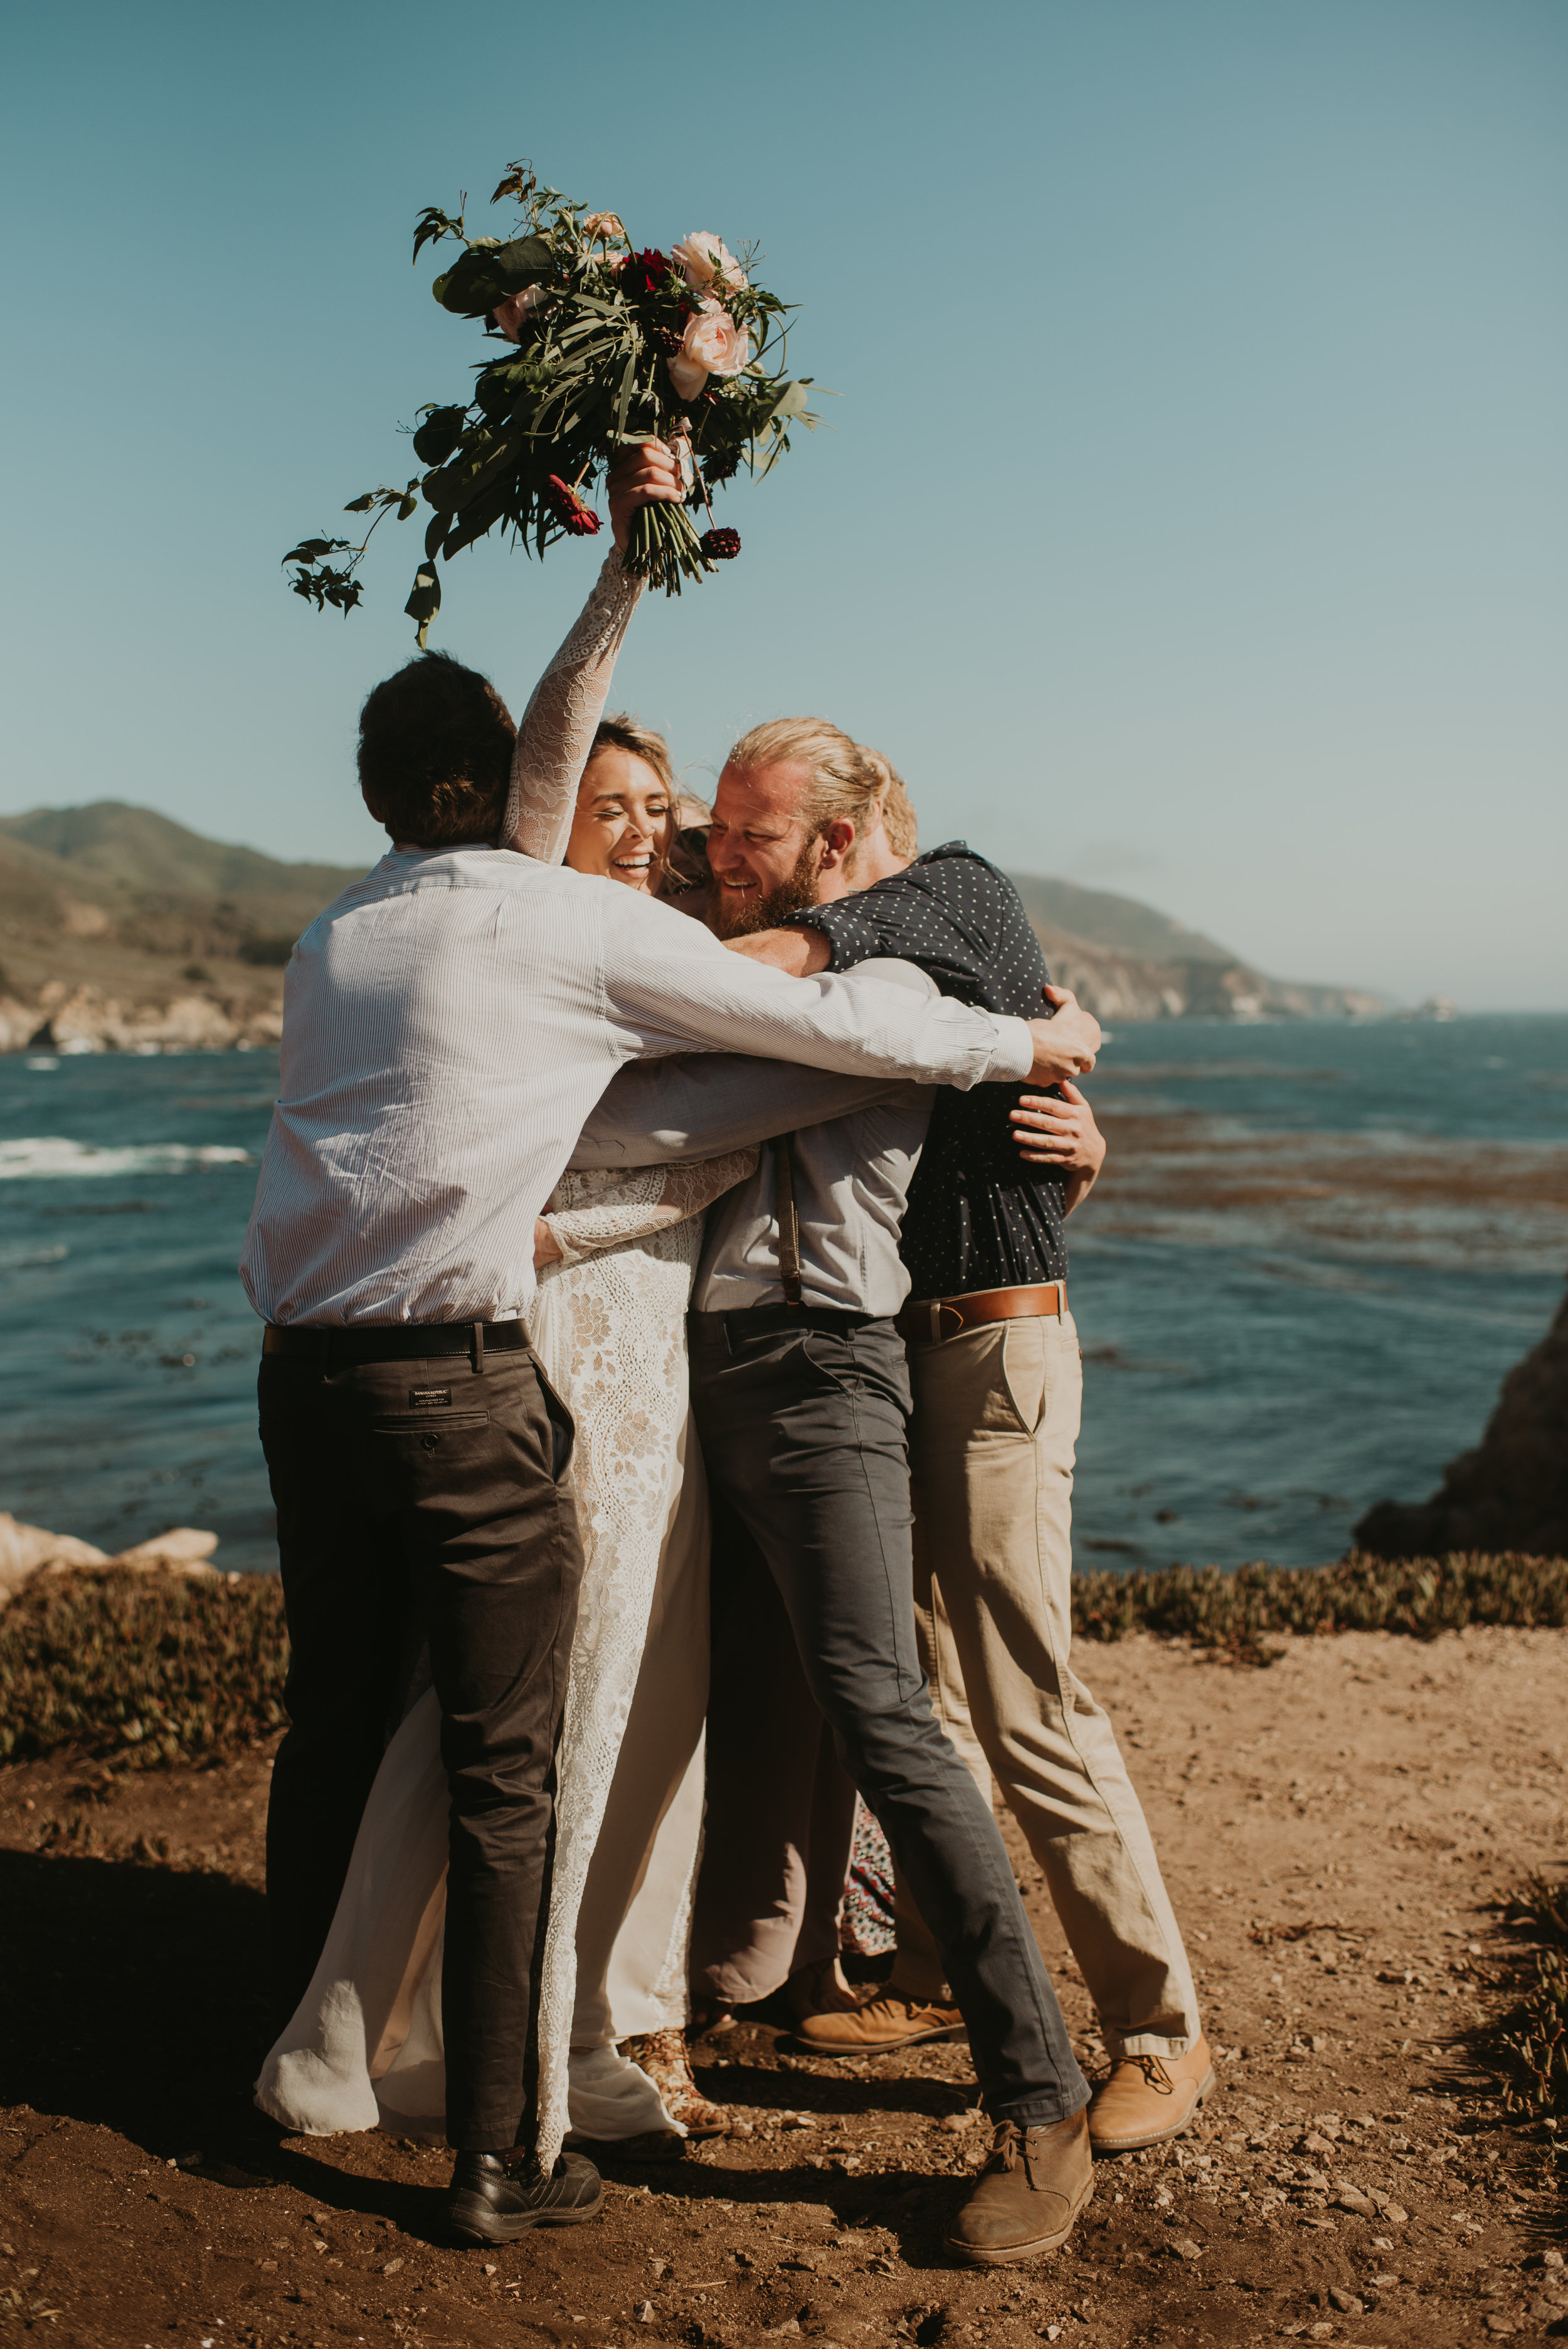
(449, 1022)
(854, 1149)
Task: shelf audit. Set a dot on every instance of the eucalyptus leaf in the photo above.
(482, 278)
(439, 435)
(424, 601)
(311, 550)
(791, 400)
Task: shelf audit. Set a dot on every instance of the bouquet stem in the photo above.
(664, 548)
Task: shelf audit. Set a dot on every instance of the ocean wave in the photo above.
(50, 1156)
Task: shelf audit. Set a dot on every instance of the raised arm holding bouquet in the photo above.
(606, 346)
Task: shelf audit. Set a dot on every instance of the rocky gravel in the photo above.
(1341, 1833)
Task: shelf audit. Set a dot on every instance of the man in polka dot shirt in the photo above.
(996, 1382)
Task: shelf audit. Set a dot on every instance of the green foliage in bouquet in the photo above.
(603, 348)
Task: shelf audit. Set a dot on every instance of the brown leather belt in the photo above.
(935, 1318)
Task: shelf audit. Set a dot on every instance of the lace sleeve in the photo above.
(557, 729)
(588, 1212)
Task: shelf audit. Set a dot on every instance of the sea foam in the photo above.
(42, 1157)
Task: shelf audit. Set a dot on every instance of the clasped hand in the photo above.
(1066, 1045)
(639, 476)
(1061, 1133)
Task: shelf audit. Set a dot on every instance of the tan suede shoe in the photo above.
(1146, 2099)
(887, 2022)
(1027, 2196)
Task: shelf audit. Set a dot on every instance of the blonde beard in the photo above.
(766, 911)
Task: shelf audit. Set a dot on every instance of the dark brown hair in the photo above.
(436, 742)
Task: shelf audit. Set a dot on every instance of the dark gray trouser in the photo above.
(802, 1419)
(460, 1512)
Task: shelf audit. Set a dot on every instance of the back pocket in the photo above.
(424, 1422)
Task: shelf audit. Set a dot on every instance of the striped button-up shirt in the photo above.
(449, 1024)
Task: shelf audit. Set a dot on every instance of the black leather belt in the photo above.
(747, 1320)
(394, 1342)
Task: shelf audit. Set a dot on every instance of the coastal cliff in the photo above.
(1512, 1491)
(1132, 987)
(123, 932)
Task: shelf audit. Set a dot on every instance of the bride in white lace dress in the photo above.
(617, 1252)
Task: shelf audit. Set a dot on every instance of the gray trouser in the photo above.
(802, 1418)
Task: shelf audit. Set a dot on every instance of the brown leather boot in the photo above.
(1148, 2099)
(886, 2022)
(1027, 2196)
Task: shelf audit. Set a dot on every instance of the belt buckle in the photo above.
(938, 1308)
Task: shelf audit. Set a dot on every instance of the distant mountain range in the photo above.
(120, 928)
(1112, 925)
(1127, 961)
(150, 875)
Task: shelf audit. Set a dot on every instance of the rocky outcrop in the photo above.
(1512, 1492)
(67, 1018)
(28, 1550)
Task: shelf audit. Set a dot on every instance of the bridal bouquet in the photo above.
(602, 346)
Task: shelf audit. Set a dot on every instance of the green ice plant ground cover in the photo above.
(1236, 1611)
(155, 1669)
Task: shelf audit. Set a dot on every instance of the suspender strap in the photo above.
(788, 1223)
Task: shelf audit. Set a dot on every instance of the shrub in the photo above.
(148, 1668)
(1235, 1612)
(155, 1668)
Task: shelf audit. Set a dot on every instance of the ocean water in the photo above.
(1315, 1251)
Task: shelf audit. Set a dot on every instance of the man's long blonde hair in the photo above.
(845, 778)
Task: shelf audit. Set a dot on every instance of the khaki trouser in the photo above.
(996, 1413)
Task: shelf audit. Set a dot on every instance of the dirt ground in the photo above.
(1340, 1834)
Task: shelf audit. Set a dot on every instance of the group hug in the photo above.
(670, 1400)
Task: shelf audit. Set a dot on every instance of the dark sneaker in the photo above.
(490, 2200)
(1027, 2196)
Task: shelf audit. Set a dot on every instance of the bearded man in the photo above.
(812, 856)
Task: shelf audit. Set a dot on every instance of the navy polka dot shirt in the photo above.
(978, 1217)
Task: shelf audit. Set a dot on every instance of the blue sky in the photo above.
(1193, 517)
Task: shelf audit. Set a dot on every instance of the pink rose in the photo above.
(603, 228)
(712, 344)
(704, 258)
(510, 315)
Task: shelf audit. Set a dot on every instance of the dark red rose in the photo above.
(645, 273)
(578, 520)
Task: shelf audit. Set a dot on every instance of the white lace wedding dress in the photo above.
(364, 2048)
